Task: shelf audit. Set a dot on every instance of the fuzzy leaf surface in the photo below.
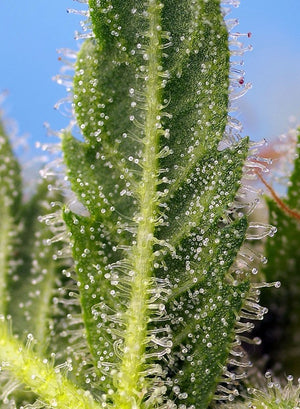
(155, 245)
(203, 308)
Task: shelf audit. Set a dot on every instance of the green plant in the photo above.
(153, 308)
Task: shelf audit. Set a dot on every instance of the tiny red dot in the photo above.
(241, 81)
(249, 35)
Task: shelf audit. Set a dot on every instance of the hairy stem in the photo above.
(52, 388)
(129, 383)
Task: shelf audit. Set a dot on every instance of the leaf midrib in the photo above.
(129, 377)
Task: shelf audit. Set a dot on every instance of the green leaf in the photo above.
(10, 197)
(201, 198)
(203, 308)
(293, 197)
(281, 331)
(38, 274)
(154, 246)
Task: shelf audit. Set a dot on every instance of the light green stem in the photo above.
(53, 388)
(130, 383)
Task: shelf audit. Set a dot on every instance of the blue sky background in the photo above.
(32, 31)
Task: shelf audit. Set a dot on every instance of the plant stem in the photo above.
(52, 387)
(130, 384)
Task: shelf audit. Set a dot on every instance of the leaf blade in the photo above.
(173, 118)
(10, 196)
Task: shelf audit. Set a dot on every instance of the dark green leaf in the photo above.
(10, 197)
(151, 100)
(37, 275)
(281, 330)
